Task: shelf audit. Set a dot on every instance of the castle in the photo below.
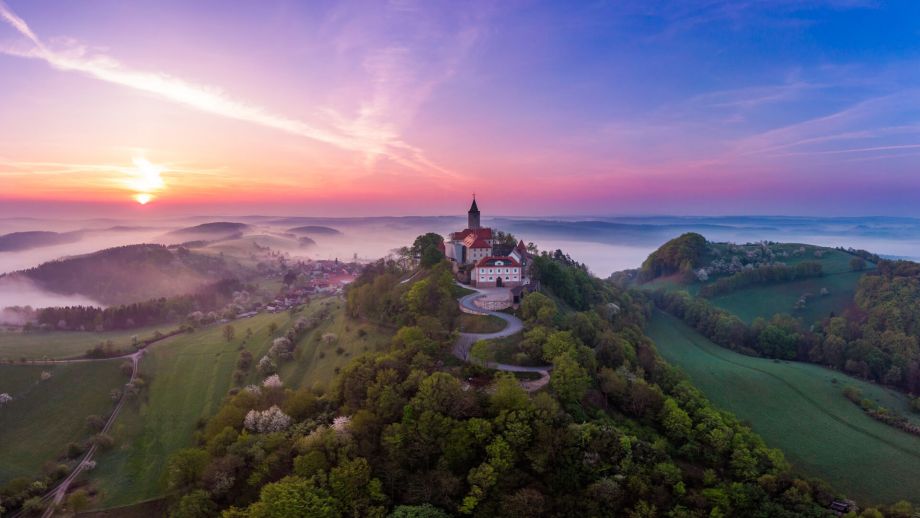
(489, 263)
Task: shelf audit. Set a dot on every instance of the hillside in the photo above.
(130, 273)
(315, 230)
(209, 231)
(20, 241)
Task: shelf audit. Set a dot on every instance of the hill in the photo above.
(680, 255)
(210, 231)
(315, 230)
(801, 409)
(19, 241)
(130, 273)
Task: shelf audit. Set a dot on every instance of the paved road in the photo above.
(514, 325)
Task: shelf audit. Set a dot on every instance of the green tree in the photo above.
(294, 496)
(417, 511)
(538, 309)
(184, 468)
(229, 332)
(197, 504)
(569, 380)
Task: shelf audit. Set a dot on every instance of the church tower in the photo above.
(473, 216)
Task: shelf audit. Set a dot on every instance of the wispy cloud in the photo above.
(367, 135)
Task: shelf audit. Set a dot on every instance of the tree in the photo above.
(417, 511)
(197, 504)
(229, 332)
(676, 422)
(77, 501)
(272, 328)
(569, 380)
(184, 468)
(294, 496)
(427, 248)
(857, 264)
(538, 309)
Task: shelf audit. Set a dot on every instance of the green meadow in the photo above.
(46, 415)
(16, 345)
(767, 300)
(191, 374)
(800, 408)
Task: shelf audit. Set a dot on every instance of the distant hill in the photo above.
(130, 273)
(679, 255)
(315, 230)
(19, 241)
(210, 231)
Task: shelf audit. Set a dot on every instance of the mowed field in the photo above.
(800, 408)
(768, 300)
(15, 345)
(45, 416)
(191, 374)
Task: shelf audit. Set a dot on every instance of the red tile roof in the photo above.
(483, 233)
(491, 260)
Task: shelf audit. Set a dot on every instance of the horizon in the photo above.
(394, 108)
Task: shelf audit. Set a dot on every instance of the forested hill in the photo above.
(679, 255)
(19, 241)
(130, 273)
(410, 431)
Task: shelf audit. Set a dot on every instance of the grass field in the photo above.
(191, 374)
(46, 415)
(800, 408)
(481, 323)
(766, 301)
(316, 361)
(15, 345)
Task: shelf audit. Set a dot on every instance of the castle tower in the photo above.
(473, 216)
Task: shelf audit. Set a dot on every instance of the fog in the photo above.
(605, 245)
(18, 291)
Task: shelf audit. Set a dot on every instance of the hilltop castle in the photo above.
(489, 263)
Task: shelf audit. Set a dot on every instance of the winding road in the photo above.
(465, 341)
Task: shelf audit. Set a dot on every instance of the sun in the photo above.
(143, 198)
(145, 180)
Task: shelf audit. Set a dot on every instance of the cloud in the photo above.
(367, 135)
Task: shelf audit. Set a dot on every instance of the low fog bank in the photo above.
(18, 291)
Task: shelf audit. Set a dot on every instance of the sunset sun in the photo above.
(145, 180)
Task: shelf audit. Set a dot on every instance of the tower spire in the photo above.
(473, 215)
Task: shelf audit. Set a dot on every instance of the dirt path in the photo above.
(513, 326)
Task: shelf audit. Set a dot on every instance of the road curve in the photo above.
(465, 341)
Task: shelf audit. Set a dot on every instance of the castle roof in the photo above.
(497, 261)
(476, 241)
(482, 233)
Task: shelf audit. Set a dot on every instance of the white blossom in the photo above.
(253, 389)
(5, 398)
(267, 421)
(273, 381)
(45, 375)
(341, 424)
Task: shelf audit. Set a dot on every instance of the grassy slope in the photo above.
(191, 374)
(799, 409)
(481, 323)
(189, 377)
(67, 344)
(766, 301)
(47, 415)
(317, 361)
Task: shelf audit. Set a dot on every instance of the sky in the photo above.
(163, 107)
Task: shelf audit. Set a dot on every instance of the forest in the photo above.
(406, 432)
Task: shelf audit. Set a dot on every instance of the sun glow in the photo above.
(145, 180)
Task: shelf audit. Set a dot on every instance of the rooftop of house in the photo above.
(497, 261)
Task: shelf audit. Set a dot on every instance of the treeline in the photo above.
(378, 295)
(569, 281)
(402, 434)
(679, 255)
(877, 339)
(140, 314)
(762, 275)
(880, 413)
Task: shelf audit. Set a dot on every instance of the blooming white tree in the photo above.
(45, 375)
(253, 389)
(273, 381)
(341, 424)
(5, 398)
(267, 421)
